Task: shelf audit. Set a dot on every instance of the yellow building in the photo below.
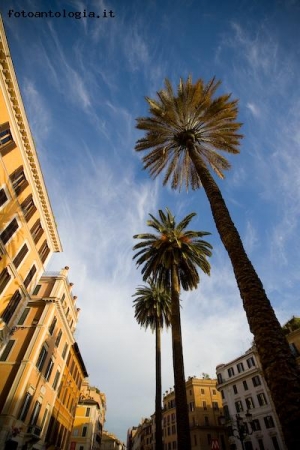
(42, 369)
(205, 410)
(28, 233)
(89, 419)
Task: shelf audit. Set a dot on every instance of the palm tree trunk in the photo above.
(278, 364)
(158, 396)
(182, 415)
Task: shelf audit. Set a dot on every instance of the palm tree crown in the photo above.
(173, 246)
(152, 306)
(192, 118)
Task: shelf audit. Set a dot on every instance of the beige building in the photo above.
(111, 442)
(205, 410)
(28, 233)
(89, 419)
(42, 369)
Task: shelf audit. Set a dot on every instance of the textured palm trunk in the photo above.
(278, 364)
(158, 396)
(182, 415)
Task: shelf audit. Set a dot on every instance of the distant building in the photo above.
(205, 410)
(205, 413)
(28, 233)
(42, 369)
(244, 391)
(292, 331)
(111, 442)
(89, 419)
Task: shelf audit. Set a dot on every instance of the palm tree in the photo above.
(171, 258)
(153, 310)
(184, 134)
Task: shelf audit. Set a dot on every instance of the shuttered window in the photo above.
(30, 275)
(20, 256)
(8, 232)
(7, 350)
(18, 180)
(5, 276)
(12, 306)
(3, 197)
(28, 208)
(44, 251)
(6, 140)
(37, 231)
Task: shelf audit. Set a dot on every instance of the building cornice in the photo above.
(13, 96)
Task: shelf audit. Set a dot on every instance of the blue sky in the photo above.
(83, 83)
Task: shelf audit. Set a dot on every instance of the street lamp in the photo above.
(242, 427)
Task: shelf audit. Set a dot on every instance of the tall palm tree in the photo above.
(184, 134)
(171, 258)
(153, 310)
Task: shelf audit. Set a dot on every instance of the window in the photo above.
(37, 289)
(235, 391)
(239, 406)
(269, 422)
(204, 405)
(6, 140)
(262, 399)
(294, 349)
(215, 405)
(222, 394)
(42, 358)
(240, 367)
(220, 379)
(4, 279)
(44, 251)
(226, 412)
(256, 381)
(11, 307)
(35, 413)
(37, 231)
(29, 276)
(28, 207)
(202, 391)
(25, 406)
(9, 231)
(18, 180)
(84, 431)
(209, 439)
(64, 351)
(249, 403)
(275, 443)
(58, 338)
(245, 385)
(250, 362)
(23, 316)
(255, 425)
(20, 256)
(52, 326)
(49, 370)
(87, 412)
(7, 350)
(192, 406)
(206, 420)
(3, 197)
(261, 444)
(230, 372)
(56, 380)
(214, 392)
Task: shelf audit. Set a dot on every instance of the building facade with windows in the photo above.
(28, 232)
(205, 409)
(248, 408)
(89, 419)
(42, 369)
